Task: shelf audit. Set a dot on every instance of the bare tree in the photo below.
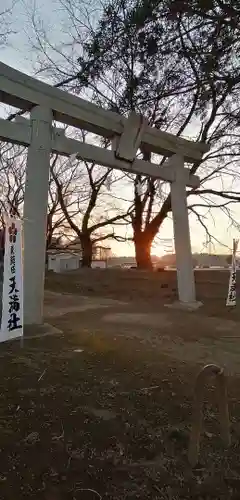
(12, 179)
(79, 201)
(155, 59)
(86, 205)
(6, 21)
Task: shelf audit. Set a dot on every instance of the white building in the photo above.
(58, 263)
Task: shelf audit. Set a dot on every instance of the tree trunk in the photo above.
(143, 251)
(87, 251)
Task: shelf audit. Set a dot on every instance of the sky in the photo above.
(21, 54)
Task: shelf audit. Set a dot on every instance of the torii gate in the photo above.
(47, 103)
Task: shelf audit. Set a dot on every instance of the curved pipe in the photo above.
(194, 442)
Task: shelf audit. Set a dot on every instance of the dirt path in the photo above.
(187, 337)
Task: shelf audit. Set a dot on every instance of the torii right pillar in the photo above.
(184, 261)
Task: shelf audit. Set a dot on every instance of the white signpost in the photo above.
(12, 294)
(232, 290)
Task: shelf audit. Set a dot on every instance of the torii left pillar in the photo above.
(35, 214)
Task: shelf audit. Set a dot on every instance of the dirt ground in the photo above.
(103, 409)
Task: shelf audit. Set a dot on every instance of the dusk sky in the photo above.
(21, 54)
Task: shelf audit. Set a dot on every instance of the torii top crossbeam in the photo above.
(22, 91)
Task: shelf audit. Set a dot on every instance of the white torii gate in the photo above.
(47, 103)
